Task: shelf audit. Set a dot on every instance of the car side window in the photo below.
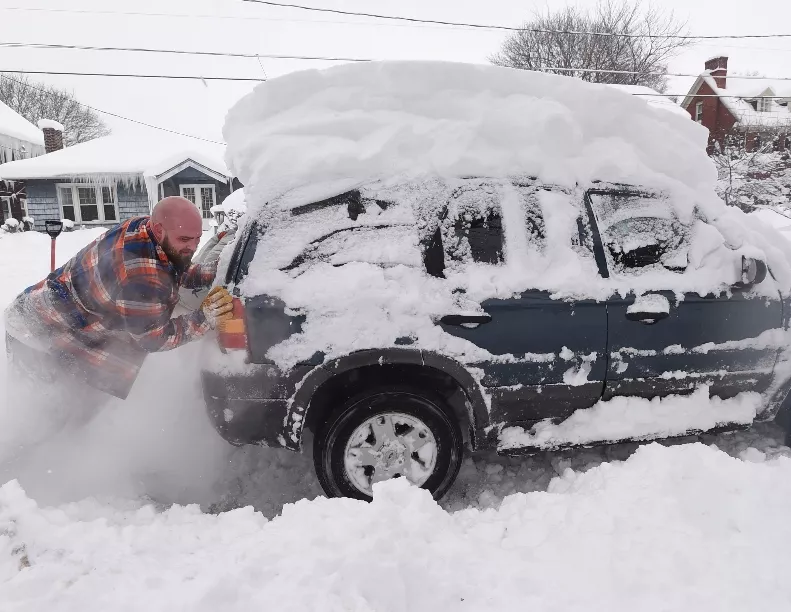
(639, 231)
(471, 226)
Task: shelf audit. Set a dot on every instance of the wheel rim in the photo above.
(390, 445)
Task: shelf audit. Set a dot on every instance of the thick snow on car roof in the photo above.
(316, 133)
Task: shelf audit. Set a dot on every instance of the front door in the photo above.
(660, 344)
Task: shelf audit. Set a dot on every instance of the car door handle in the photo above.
(473, 320)
(647, 318)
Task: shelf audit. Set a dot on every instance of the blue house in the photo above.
(108, 180)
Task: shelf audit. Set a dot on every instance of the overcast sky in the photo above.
(237, 26)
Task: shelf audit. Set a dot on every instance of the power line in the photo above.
(213, 17)
(181, 77)
(329, 59)
(181, 52)
(409, 21)
(117, 116)
(508, 28)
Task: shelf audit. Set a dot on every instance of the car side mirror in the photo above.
(753, 272)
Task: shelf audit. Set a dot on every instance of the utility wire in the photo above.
(180, 52)
(328, 59)
(261, 80)
(181, 77)
(117, 116)
(508, 28)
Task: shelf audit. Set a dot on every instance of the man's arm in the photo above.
(199, 275)
(143, 306)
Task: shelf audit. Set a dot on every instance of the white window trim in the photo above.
(197, 187)
(99, 202)
(699, 112)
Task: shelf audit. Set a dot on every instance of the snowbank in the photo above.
(327, 130)
(684, 528)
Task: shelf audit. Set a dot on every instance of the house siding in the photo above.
(42, 202)
(716, 117)
(132, 201)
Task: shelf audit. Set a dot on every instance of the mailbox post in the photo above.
(53, 229)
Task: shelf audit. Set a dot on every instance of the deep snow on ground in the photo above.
(685, 528)
(682, 527)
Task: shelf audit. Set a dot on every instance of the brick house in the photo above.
(108, 180)
(756, 110)
(19, 139)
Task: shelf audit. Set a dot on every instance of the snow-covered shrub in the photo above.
(754, 179)
(12, 226)
(68, 225)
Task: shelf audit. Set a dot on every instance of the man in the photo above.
(94, 320)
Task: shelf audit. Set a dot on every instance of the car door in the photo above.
(548, 355)
(658, 344)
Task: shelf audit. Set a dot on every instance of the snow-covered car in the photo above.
(417, 290)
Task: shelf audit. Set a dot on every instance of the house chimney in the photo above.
(53, 135)
(718, 66)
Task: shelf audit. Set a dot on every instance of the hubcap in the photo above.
(390, 445)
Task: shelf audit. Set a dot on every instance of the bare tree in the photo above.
(34, 101)
(564, 39)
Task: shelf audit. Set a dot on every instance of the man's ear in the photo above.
(159, 231)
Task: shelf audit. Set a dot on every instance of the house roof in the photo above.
(118, 157)
(743, 112)
(653, 98)
(16, 126)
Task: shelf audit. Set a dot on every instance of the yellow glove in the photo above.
(217, 306)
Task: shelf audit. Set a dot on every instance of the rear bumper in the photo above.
(251, 409)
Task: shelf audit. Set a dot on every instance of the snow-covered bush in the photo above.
(12, 226)
(68, 225)
(754, 179)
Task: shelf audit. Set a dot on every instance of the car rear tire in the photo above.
(386, 434)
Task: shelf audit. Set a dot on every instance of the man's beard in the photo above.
(179, 261)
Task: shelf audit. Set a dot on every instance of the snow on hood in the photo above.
(318, 132)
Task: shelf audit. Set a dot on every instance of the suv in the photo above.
(542, 300)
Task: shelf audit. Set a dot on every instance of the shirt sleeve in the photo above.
(199, 275)
(142, 305)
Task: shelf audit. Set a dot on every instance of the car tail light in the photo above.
(232, 334)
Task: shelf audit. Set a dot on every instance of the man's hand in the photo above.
(217, 306)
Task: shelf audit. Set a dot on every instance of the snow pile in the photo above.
(325, 131)
(51, 124)
(652, 97)
(635, 418)
(681, 528)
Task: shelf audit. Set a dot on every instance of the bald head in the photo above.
(177, 225)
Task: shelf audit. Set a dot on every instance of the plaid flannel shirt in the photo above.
(110, 305)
